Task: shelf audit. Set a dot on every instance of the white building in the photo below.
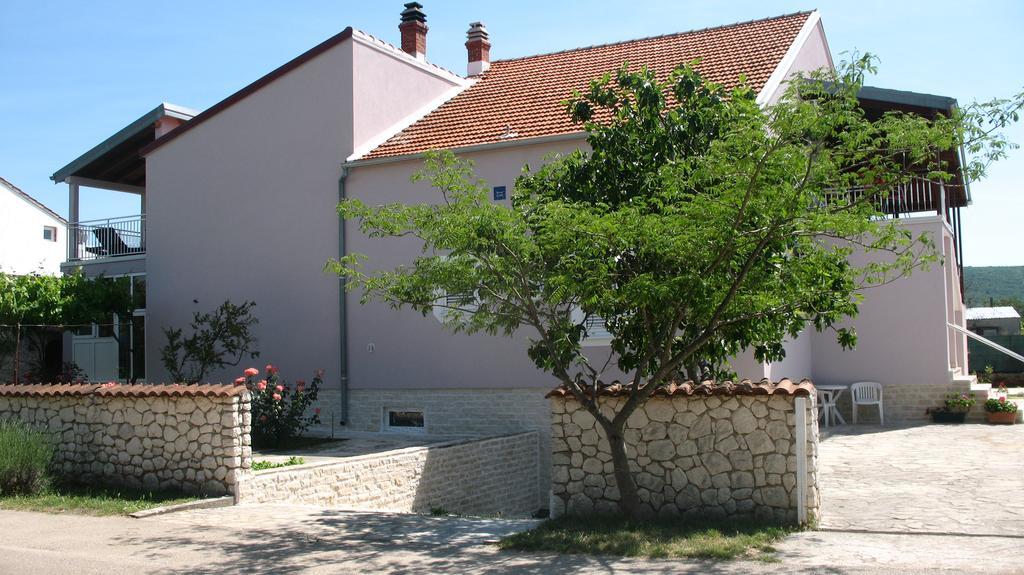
(32, 236)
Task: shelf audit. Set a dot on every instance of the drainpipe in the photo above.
(342, 303)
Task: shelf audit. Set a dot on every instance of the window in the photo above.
(405, 420)
(454, 303)
(50, 233)
(597, 330)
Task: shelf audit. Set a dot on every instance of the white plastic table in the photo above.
(828, 395)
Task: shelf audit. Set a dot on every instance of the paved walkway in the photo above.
(939, 479)
(292, 540)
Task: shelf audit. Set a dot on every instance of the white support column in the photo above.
(800, 422)
(72, 219)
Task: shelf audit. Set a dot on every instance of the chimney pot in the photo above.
(478, 47)
(414, 30)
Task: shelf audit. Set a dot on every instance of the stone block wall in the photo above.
(490, 476)
(730, 454)
(466, 412)
(907, 403)
(192, 438)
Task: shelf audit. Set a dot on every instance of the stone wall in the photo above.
(193, 438)
(907, 403)
(467, 412)
(473, 476)
(722, 451)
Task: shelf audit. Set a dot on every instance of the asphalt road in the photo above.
(292, 539)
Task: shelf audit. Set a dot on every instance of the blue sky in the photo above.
(73, 73)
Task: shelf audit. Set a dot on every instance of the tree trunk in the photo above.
(629, 501)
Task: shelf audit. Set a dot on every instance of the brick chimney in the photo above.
(479, 49)
(414, 30)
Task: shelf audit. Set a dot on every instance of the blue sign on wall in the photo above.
(499, 192)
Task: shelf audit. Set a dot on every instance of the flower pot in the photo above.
(1001, 417)
(948, 416)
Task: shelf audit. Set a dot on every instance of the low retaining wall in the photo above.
(908, 403)
(475, 476)
(715, 451)
(193, 438)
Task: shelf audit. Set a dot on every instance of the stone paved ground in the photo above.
(292, 540)
(939, 479)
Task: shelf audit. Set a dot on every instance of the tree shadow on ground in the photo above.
(331, 541)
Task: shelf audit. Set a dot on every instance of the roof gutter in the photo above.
(342, 306)
(470, 149)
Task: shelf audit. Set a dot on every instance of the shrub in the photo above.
(1000, 405)
(25, 456)
(278, 411)
(959, 402)
(218, 339)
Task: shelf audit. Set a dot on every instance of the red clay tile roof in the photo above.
(688, 388)
(121, 390)
(523, 95)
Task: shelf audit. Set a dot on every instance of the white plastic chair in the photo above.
(826, 406)
(867, 393)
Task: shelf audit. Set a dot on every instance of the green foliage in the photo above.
(278, 410)
(91, 500)
(57, 301)
(218, 339)
(700, 224)
(1000, 405)
(958, 402)
(995, 286)
(25, 457)
(261, 465)
(652, 538)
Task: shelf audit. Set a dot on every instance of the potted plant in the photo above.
(999, 410)
(954, 410)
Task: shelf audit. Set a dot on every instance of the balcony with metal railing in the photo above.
(107, 238)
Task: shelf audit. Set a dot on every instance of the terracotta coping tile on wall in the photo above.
(744, 387)
(122, 390)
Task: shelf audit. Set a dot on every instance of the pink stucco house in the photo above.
(239, 203)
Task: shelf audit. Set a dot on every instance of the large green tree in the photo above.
(32, 306)
(698, 225)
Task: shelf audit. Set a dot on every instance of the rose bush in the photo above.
(278, 408)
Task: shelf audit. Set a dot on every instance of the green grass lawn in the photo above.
(91, 500)
(654, 538)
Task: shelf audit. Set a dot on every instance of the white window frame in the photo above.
(53, 233)
(386, 420)
(442, 309)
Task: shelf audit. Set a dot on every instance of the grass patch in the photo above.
(25, 456)
(653, 538)
(261, 465)
(88, 500)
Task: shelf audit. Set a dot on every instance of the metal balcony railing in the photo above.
(109, 238)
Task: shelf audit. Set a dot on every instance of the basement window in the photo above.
(404, 420)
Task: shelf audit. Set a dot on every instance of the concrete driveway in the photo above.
(935, 499)
(935, 479)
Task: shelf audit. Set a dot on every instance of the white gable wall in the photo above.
(22, 247)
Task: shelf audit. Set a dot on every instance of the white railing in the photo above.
(109, 238)
(917, 195)
(987, 342)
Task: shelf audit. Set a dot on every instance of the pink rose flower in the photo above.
(279, 388)
(300, 385)
(271, 370)
(277, 397)
(262, 385)
(317, 411)
(252, 371)
(239, 380)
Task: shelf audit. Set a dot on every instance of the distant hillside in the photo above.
(982, 284)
